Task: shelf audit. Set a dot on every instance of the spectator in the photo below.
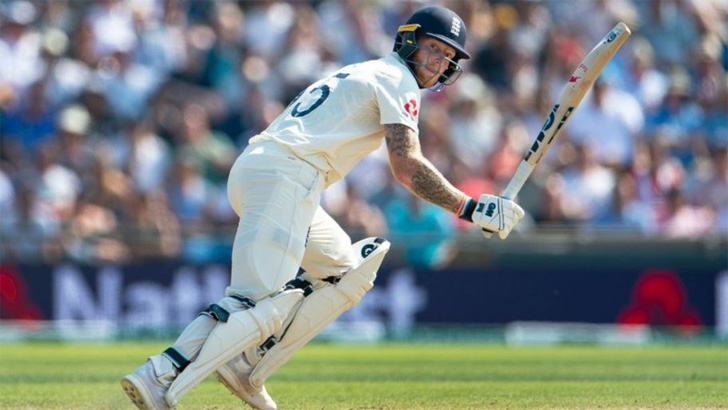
(507, 152)
(434, 126)
(594, 18)
(57, 188)
(649, 85)
(712, 93)
(711, 187)
(551, 210)
(359, 217)
(77, 148)
(610, 120)
(470, 183)
(353, 29)
(149, 158)
(92, 233)
(214, 152)
(371, 174)
(127, 85)
(656, 173)
(266, 26)
(93, 99)
(188, 190)
(671, 28)
(20, 44)
(682, 220)
(678, 119)
(491, 60)
(225, 56)
(112, 28)
(628, 211)
(425, 230)
(30, 124)
(588, 187)
(157, 231)
(474, 123)
(24, 236)
(161, 41)
(66, 77)
(301, 61)
(7, 193)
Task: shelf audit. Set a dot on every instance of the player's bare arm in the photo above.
(416, 172)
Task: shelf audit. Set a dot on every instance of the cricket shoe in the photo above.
(235, 376)
(145, 389)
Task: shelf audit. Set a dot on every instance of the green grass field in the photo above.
(398, 376)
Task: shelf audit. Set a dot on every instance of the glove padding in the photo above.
(496, 214)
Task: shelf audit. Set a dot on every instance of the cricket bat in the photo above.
(579, 83)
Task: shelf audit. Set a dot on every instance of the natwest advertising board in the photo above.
(167, 293)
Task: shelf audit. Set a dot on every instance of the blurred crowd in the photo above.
(120, 119)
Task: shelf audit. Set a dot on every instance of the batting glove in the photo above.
(493, 214)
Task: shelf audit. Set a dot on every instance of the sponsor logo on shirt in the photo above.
(410, 107)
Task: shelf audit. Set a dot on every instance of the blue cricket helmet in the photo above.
(436, 22)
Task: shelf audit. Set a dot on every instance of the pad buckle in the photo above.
(268, 344)
(332, 279)
(302, 284)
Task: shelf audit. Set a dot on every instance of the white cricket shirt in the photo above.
(338, 120)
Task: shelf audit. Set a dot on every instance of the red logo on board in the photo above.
(574, 79)
(659, 298)
(411, 108)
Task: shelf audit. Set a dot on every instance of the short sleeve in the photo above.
(397, 105)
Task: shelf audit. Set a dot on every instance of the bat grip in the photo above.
(519, 178)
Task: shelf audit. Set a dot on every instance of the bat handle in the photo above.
(519, 178)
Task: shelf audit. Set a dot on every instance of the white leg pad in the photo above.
(322, 307)
(242, 330)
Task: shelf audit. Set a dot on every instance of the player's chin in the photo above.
(427, 77)
(431, 78)
(431, 83)
(434, 80)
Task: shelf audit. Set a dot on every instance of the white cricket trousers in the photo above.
(282, 227)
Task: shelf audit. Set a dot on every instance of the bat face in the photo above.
(531, 156)
(573, 92)
(576, 87)
(535, 153)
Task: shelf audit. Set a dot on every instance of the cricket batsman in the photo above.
(275, 186)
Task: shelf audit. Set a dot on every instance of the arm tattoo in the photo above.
(424, 179)
(400, 142)
(431, 186)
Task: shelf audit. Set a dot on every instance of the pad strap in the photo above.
(178, 359)
(332, 279)
(248, 303)
(221, 314)
(319, 309)
(216, 312)
(300, 283)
